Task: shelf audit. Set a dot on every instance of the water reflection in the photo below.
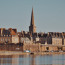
(15, 60)
(32, 60)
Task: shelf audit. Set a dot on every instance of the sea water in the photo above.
(32, 59)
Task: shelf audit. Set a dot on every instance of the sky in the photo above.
(49, 15)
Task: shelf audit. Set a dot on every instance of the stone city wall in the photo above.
(31, 47)
(11, 47)
(40, 48)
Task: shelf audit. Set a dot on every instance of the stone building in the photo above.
(6, 39)
(63, 41)
(43, 37)
(15, 38)
(5, 36)
(57, 38)
(25, 39)
(57, 41)
(8, 35)
(63, 34)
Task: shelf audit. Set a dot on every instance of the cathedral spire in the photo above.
(32, 18)
(32, 27)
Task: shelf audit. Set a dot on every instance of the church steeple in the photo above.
(32, 27)
(32, 18)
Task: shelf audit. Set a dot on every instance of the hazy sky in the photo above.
(49, 15)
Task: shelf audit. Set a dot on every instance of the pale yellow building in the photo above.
(15, 39)
(64, 41)
(57, 41)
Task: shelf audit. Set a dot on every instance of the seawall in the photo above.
(25, 53)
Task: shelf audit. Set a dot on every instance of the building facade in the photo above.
(57, 41)
(8, 35)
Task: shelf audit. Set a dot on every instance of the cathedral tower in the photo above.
(32, 27)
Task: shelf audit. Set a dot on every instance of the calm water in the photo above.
(32, 60)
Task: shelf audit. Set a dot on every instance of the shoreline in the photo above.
(28, 53)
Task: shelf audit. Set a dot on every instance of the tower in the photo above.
(32, 27)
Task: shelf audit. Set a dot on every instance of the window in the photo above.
(47, 48)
